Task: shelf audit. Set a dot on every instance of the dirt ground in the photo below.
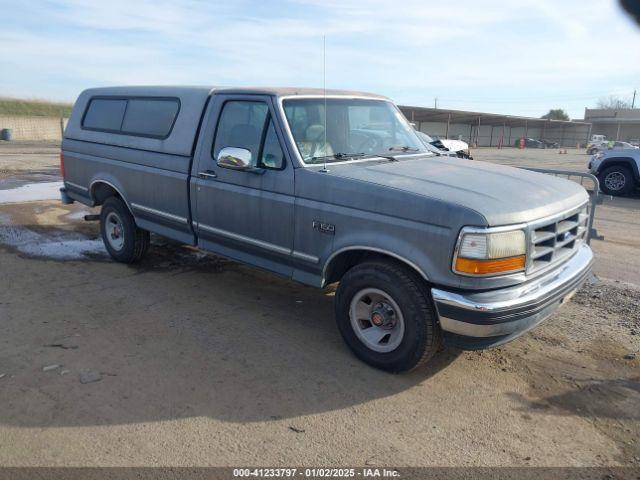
(201, 361)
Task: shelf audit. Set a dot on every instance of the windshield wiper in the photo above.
(336, 156)
(346, 156)
(388, 157)
(403, 148)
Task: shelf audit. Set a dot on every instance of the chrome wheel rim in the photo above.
(615, 181)
(376, 320)
(114, 231)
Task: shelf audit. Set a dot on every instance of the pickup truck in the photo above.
(333, 187)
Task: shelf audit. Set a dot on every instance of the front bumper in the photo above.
(475, 320)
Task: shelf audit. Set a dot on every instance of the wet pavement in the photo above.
(29, 187)
(41, 229)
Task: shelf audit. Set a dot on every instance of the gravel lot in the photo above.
(172, 362)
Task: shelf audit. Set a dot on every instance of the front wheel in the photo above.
(616, 180)
(384, 313)
(125, 242)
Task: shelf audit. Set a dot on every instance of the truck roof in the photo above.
(293, 91)
(192, 101)
(173, 90)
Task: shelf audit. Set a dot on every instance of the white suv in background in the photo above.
(603, 146)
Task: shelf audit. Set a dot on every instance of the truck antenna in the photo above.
(324, 95)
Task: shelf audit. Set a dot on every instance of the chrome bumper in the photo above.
(474, 320)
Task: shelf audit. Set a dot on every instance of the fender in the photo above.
(110, 180)
(627, 161)
(402, 259)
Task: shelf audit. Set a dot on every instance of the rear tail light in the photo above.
(62, 164)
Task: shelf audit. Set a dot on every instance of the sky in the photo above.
(519, 57)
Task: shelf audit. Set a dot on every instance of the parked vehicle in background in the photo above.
(437, 147)
(445, 146)
(610, 145)
(432, 146)
(593, 147)
(459, 146)
(426, 249)
(529, 143)
(618, 170)
(549, 143)
(598, 138)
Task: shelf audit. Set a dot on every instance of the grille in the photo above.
(555, 240)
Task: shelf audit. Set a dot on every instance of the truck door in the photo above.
(243, 205)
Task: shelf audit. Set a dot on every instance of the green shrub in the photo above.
(34, 108)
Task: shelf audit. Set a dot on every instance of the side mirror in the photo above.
(235, 158)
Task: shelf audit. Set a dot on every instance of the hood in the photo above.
(503, 195)
(455, 145)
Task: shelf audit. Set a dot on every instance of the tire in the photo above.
(402, 289)
(616, 180)
(125, 242)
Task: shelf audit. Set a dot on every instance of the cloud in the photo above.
(411, 50)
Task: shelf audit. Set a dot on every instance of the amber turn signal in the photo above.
(486, 267)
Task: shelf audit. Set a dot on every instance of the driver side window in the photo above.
(248, 125)
(240, 125)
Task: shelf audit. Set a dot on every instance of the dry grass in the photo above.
(32, 107)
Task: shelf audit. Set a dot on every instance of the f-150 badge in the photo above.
(322, 227)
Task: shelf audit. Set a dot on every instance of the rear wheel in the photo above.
(616, 180)
(125, 242)
(384, 314)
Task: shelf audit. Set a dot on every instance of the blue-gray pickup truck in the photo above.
(325, 187)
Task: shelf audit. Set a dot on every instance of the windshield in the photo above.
(354, 128)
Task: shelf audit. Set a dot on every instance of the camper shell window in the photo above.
(134, 116)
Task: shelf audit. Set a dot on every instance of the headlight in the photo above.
(483, 252)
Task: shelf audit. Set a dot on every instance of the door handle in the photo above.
(207, 174)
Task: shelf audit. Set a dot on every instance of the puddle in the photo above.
(77, 215)
(29, 192)
(53, 245)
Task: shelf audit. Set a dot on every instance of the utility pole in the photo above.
(633, 102)
(435, 102)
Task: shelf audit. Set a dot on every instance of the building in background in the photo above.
(623, 124)
(495, 130)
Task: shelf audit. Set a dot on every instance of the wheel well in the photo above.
(342, 262)
(621, 162)
(100, 191)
